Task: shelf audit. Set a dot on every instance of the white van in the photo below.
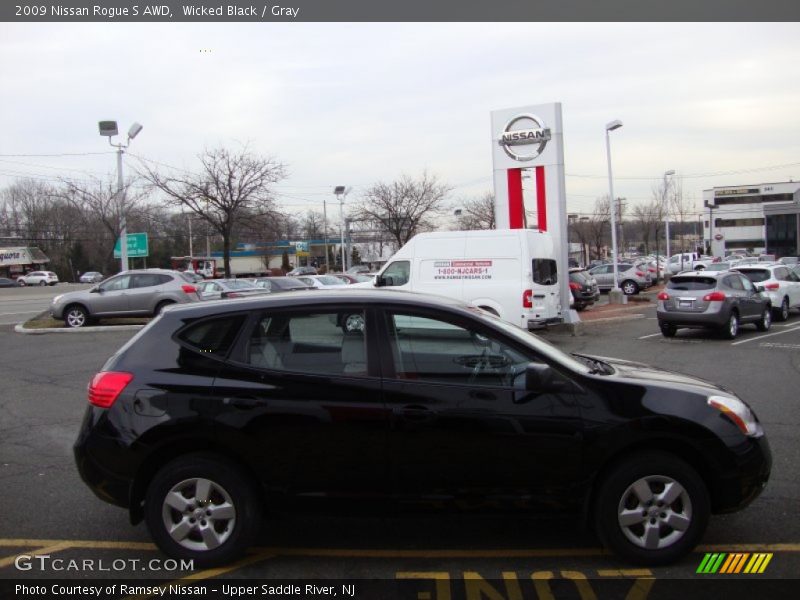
(509, 272)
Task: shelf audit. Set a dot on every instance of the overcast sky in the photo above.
(355, 104)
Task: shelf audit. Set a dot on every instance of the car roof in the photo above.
(702, 273)
(319, 297)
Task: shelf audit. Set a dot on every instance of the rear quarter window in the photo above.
(688, 284)
(212, 336)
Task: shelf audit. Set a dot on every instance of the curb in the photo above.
(20, 328)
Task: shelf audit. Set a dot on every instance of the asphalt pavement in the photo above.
(45, 508)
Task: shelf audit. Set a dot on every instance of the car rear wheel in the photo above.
(75, 316)
(21, 282)
(668, 330)
(629, 288)
(766, 320)
(652, 509)
(202, 508)
(782, 314)
(731, 328)
(42, 283)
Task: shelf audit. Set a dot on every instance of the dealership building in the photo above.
(757, 218)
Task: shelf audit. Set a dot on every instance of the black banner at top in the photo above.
(282, 11)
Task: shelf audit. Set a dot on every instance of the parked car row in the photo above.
(633, 277)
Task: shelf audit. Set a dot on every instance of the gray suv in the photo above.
(720, 300)
(633, 277)
(140, 293)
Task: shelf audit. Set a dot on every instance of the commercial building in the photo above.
(18, 260)
(756, 218)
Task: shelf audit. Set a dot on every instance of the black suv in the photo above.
(216, 410)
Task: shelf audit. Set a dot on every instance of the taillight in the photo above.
(527, 299)
(639, 274)
(714, 297)
(106, 386)
(772, 286)
(574, 286)
(189, 289)
(663, 296)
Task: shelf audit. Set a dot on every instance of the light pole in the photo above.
(616, 124)
(341, 193)
(666, 212)
(109, 129)
(325, 234)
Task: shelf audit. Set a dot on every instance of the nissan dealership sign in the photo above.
(524, 137)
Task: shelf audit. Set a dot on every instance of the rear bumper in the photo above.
(687, 319)
(534, 324)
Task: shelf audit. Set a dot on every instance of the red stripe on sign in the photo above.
(516, 206)
(541, 199)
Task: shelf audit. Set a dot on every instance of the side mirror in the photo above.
(380, 281)
(96, 290)
(544, 379)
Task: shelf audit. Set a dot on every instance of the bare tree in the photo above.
(594, 230)
(405, 207)
(478, 213)
(228, 184)
(312, 225)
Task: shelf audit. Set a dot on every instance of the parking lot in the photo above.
(46, 509)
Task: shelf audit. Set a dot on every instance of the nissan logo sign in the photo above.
(524, 130)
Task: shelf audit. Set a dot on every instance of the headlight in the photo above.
(738, 412)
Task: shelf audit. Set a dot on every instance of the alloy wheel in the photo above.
(654, 512)
(198, 514)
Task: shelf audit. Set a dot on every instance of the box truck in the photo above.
(509, 272)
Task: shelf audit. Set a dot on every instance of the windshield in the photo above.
(531, 340)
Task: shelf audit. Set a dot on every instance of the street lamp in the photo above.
(341, 193)
(666, 210)
(616, 124)
(109, 130)
(325, 234)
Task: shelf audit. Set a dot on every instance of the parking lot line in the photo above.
(760, 337)
(4, 562)
(644, 337)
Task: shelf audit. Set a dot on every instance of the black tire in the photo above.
(160, 306)
(629, 287)
(668, 330)
(616, 500)
(76, 316)
(353, 323)
(226, 479)
(766, 320)
(580, 307)
(42, 283)
(731, 329)
(21, 283)
(782, 312)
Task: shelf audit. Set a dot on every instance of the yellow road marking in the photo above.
(624, 573)
(208, 573)
(4, 562)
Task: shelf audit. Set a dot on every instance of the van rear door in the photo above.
(545, 305)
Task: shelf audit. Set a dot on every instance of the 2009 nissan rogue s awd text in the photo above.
(216, 410)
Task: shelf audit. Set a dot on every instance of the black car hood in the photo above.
(632, 371)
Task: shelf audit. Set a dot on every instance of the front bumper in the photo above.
(738, 484)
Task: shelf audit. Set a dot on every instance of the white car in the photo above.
(778, 282)
(38, 278)
(322, 281)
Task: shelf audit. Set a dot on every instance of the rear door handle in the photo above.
(244, 403)
(417, 414)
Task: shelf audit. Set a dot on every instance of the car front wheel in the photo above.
(202, 508)
(75, 316)
(42, 283)
(652, 509)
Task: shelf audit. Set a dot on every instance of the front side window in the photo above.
(397, 273)
(432, 350)
(545, 271)
(116, 284)
(318, 344)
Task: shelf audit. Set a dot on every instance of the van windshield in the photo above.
(544, 271)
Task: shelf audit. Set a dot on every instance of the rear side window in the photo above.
(734, 282)
(214, 336)
(757, 275)
(688, 284)
(149, 280)
(544, 271)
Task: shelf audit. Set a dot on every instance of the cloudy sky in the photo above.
(353, 104)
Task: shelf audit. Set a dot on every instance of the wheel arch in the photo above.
(171, 451)
(674, 447)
